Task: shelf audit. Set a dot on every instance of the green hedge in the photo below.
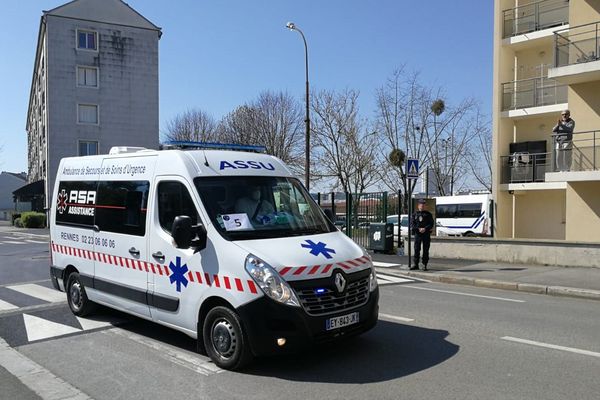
(32, 219)
(14, 217)
(18, 223)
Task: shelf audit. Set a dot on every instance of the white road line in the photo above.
(467, 294)
(11, 242)
(36, 241)
(37, 378)
(38, 328)
(551, 346)
(394, 318)
(7, 306)
(384, 265)
(393, 279)
(40, 292)
(192, 362)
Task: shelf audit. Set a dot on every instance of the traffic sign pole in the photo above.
(412, 173)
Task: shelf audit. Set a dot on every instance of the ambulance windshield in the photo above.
(245, 208)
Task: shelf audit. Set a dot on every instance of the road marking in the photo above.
(38, 328)
(40, 292)
(551, 346)
(11, 242)
(37, 307)
(36, 241)
(7, 306)
(89, 324)
(193, 362)
(384, 265)
(467, 294)
(394, 318)
(24, 283)
(37, 378)
(391, 280)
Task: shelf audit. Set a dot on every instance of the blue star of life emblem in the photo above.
(318, 248)
(178, 275)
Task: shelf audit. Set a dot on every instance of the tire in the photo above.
(470, 234)
(225, 341)
(78, 301)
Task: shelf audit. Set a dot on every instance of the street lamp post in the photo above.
(291, 26)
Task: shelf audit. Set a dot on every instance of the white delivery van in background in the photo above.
(463, 215)
(225, 246)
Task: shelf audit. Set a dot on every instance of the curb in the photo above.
(562, 291)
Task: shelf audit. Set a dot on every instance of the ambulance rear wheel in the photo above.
(78, 301)
(225, 341)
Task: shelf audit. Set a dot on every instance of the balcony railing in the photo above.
(535, 17)
(533, 92)
(577, 45)
(525, 167)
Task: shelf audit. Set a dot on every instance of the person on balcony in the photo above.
(563, 141)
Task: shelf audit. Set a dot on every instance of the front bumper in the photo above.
(265, 321)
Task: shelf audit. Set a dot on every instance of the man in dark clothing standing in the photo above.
(422, 225)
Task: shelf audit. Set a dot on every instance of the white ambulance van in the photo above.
(225, 246)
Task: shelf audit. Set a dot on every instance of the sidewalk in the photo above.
(557, 281)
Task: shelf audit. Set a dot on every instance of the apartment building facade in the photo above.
(546, 59)
(94, 85)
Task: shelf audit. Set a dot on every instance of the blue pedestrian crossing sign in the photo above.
(412, 168)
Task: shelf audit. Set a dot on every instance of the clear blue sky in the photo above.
(216, 55)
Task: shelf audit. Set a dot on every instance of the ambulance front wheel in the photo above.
(225, 341)
(77, 298)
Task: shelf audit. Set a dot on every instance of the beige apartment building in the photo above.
(546, 59)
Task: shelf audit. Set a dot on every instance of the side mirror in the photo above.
(182, 232)
(200, 242)
(329, 215)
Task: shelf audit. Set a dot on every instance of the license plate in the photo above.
(340, 322)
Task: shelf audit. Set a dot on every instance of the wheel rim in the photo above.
(76, 296)
(223, 338)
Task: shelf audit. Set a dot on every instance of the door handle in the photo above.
(159, 256)
(134, 252)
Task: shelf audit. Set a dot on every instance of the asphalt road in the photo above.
(433, 341)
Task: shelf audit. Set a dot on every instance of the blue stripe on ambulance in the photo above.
(474, 226)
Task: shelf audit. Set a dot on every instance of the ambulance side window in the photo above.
(174, 200)
(122, 207)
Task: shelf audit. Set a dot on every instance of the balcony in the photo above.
(518, 97)
(535, 17)
(522, 167)
(577, 54)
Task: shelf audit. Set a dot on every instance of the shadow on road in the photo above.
(391, 350)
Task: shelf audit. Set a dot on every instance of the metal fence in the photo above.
(535, 16)
(532, 92)
(583, 154)
(577, 45)
(356, 212)
(525, 167)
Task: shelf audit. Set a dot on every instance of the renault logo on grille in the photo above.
(340, 282)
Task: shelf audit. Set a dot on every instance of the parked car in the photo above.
(393, 219)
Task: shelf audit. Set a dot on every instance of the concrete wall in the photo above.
(541, 252)
(127, 95)
(583, 212)
(540, 214)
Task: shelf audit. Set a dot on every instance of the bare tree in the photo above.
(417, 120)
(192, 125)
(345, 149)
(479, 156)
(273, 120)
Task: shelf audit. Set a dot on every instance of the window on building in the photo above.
(87, 113)
(87, 76)
(88, 148)
(87, 40)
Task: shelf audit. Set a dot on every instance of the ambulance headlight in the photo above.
(373, 279)
(270, 281)
(373, 276)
